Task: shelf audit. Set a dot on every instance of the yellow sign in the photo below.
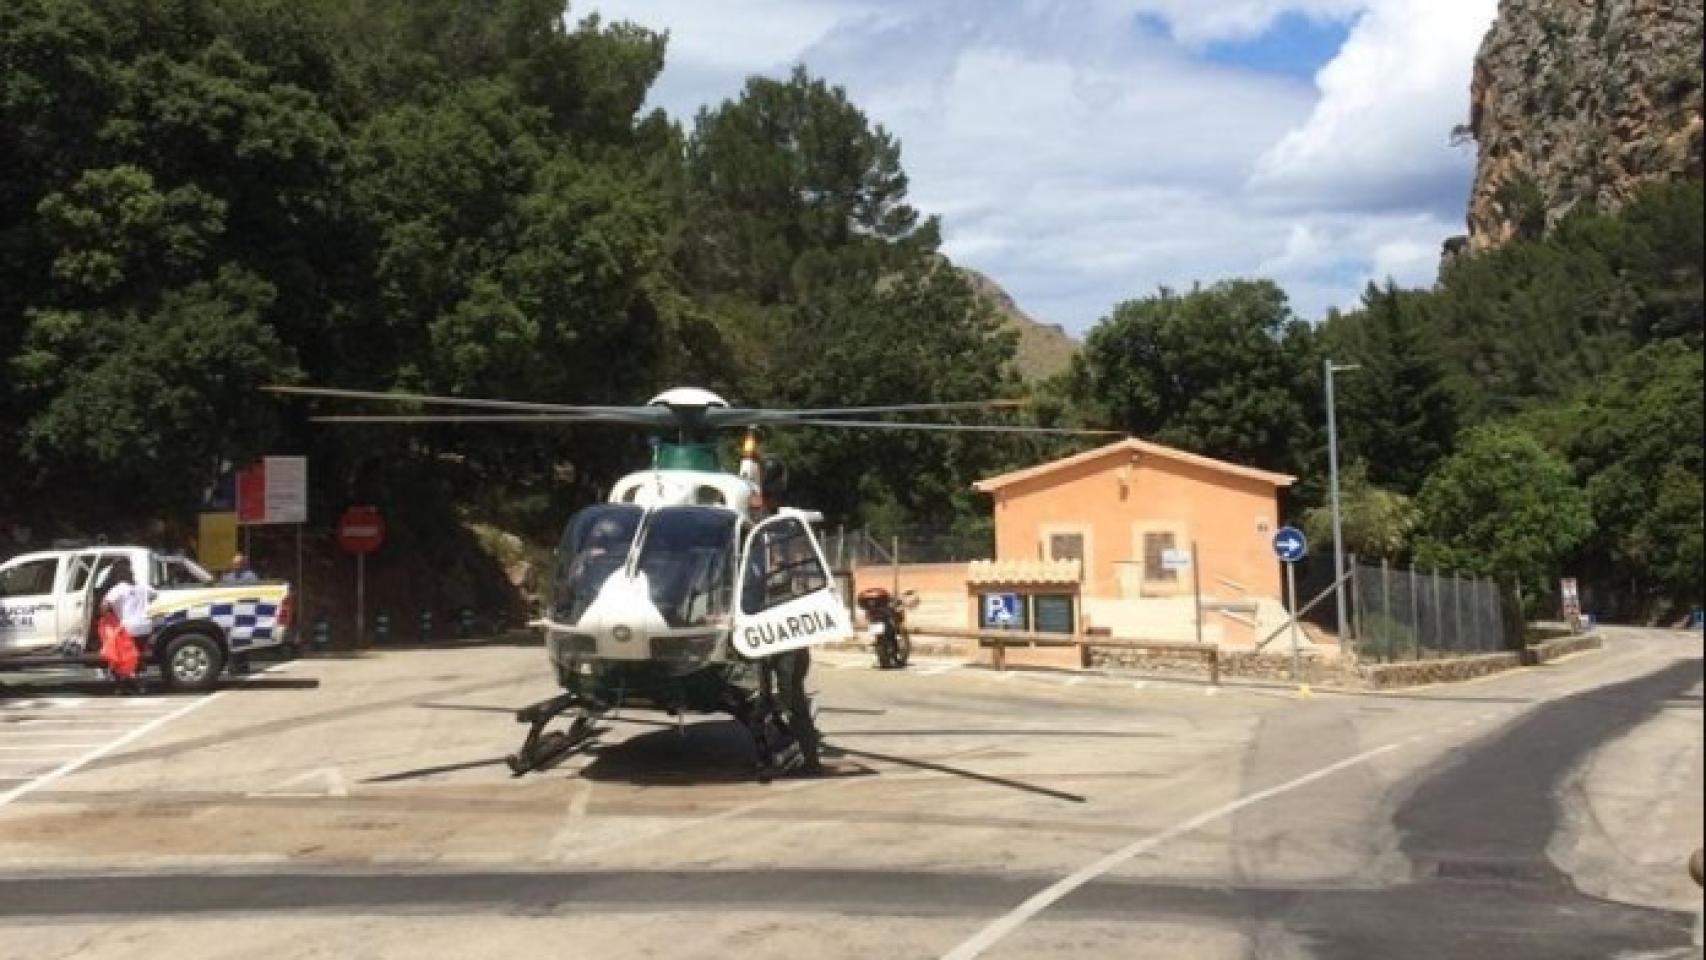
(217, 543)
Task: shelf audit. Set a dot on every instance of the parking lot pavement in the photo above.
(361, 806)
(52, 725)
(44, 737)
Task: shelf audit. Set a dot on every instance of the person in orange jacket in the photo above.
(124, 618)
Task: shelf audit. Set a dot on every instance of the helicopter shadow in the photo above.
(706, 752)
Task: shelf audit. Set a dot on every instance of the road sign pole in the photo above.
(1196, 587)
(1333, 484)
(1291, 607)
(360, 598)
(300, 587)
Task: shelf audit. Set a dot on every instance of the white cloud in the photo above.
(1081, 157)
(720, 34)
(1380, 135)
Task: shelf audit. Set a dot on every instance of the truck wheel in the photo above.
(193, 661)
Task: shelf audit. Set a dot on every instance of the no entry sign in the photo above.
(361, 530)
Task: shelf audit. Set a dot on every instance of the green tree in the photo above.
(789, 168)
(1396, 413)
(826, 289)
(1225, 371)
(1502, 506)
(1633, 438)
(1377, 523)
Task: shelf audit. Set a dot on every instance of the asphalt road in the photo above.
(360, 808)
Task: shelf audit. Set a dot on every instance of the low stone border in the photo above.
(1234, 665)
(1387, 676)
(1339, 672)
(1552, 650)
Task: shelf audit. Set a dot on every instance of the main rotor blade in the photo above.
(639, 415)
(738, 416)
(493, 418)
(949, 427)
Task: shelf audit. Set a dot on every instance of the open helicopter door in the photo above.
(787, 599)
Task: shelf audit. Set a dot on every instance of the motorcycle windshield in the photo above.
(594, 546)
(688, 558)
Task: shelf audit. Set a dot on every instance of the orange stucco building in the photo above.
(1129, 515)
(1119, 508)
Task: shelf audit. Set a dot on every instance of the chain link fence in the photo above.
(846, 549)
(1407, 614)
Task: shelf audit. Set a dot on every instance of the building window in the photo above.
(1156, 545)
(1066, 546)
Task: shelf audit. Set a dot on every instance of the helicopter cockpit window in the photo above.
(595, 546)
(782, 566)
(688, 559)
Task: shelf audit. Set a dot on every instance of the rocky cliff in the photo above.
(1581, 101)
(1044, 349)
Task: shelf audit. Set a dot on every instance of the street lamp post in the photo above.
(1333, 482)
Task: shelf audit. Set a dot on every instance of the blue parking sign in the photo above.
(1001, 611)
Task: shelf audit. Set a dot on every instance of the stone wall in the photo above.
(1234, 665)
(1564, 646)
(1387, 676)
(1341, 672)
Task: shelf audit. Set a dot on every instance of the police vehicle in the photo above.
(49, 601)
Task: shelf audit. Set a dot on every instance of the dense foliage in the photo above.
(199, 197)
(1588, 340)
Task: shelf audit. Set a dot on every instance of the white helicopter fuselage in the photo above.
(678, 571)
(623, 622)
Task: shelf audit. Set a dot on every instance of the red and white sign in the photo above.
(361, 530)
(273, 490)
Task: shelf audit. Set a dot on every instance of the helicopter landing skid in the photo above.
(540, 750)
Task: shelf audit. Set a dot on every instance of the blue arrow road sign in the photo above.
(1290, 544)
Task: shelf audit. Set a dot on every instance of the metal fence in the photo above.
(1406, 615)
(850, 548)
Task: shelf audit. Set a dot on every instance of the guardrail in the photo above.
(1000, 640)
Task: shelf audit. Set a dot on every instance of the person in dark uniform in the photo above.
(792, 668)
(783, 675)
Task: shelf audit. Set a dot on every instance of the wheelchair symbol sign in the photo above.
(1001, 610)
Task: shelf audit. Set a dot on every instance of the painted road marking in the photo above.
(1000, 928)
(72, 766)
(328, 780)
(38, 734)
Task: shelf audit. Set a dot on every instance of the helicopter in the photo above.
(690, 589)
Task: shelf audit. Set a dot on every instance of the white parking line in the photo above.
(72, 766)
(24, 726)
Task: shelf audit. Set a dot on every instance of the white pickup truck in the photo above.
(47, 600)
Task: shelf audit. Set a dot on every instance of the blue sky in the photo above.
(1084, 152)
(1295, 45)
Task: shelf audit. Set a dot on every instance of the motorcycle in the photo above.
(886, 617)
